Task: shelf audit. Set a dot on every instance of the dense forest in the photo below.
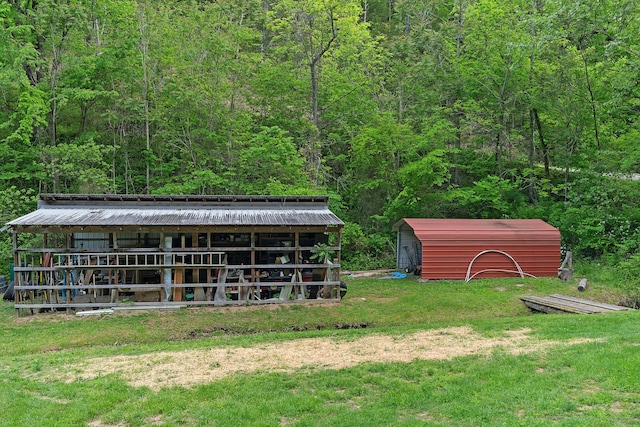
(394, 108)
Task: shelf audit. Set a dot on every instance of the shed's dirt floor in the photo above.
(199, 366)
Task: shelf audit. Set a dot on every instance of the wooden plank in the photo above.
(594, 303)
(167, 305)
(550, 305)
(148, 307)
(543, 308)
(178, 278)
(147, 296)
(94, 312)
(198, 294)
(559, 303)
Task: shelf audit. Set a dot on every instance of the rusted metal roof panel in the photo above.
(155, 200)
(461, 248)
(187, 211)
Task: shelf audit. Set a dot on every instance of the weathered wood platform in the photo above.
(564, 304)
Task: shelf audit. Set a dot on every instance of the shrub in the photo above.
(366, 252)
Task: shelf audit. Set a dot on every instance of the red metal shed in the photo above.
(473, 248)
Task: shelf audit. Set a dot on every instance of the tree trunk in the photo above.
(499, 152)
(265, 34)
(532, 132)
(532, 151)
(144, 51)
(592, 102)
(458, 114)
(543, 144)
(315, 56)
(314, 93)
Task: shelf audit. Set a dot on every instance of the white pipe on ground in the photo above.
(522, 273)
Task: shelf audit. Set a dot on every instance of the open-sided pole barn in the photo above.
(470, 248)
(98, 251)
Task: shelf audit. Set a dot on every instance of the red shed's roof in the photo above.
(471, 227)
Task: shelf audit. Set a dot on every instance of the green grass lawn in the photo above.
(590, 376)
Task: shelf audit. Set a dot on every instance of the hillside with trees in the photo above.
(394, 108)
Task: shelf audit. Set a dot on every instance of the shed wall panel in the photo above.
(408, 249)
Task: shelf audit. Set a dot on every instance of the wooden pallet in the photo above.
(564, 304)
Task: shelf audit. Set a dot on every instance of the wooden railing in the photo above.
(51, 279)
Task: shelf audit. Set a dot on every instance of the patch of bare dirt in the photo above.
(199, 366)
(99, 423)
(366, 273)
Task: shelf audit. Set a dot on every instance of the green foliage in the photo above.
(385, 157)
(394, 108)
(25, 105)
(426, 173)
(627, 152)
(420, 180)
(321, 253)
(491, 197)
(377, 152)
(630, 271)
(270, 160)
(80, 167)
(30, 114)
(15, 202)
(202, 181)
(362, 251)
(599, 219)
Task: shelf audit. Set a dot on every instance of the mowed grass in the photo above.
(591, 382)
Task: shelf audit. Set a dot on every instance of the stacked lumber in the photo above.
(565, 304)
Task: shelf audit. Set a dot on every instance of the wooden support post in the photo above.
(339, 252)
(178, 279)
(209, 261)
(179, 275)
(136, 273)
(255, 274)
(221, 294)
(67, 282)
(301, 290)
(337, 259)
(115, 294)
(16, 277)
(565, 272)
(198, 291)
(167, 241)
(67, 273)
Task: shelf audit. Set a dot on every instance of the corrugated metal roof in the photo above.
(172, 200)
(177, 211)
(450, 245)
(482, 226)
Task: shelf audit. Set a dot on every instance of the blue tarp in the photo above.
(395, 275)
